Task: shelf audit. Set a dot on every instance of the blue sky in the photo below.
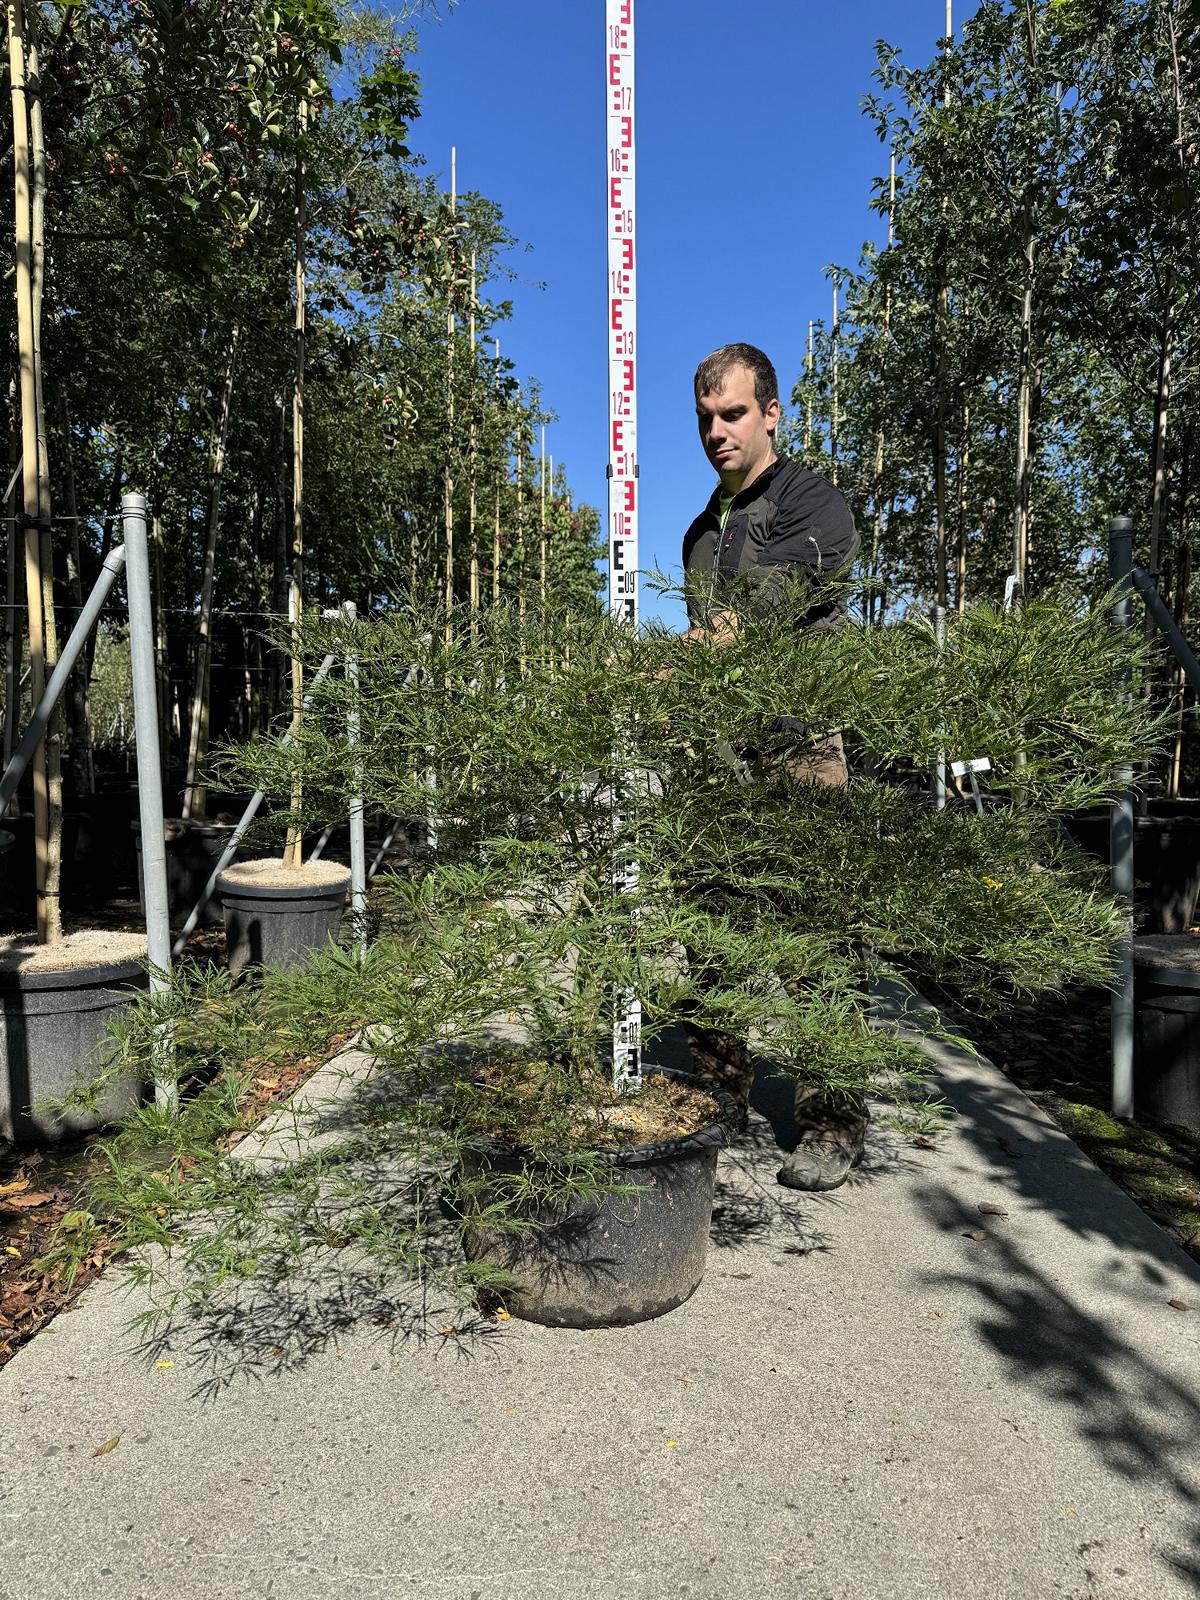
(754, 172)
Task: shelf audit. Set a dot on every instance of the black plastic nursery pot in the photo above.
(1166, 863)
(54, 1021)
(193, 851)
(275, 917)
(1166, 1055)
(611, 1259)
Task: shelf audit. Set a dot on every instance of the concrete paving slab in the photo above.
(858, 1402)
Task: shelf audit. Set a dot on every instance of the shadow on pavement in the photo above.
(1140, 1422)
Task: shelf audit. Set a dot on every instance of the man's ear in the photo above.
(772, 414)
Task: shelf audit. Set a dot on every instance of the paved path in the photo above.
(858, 1402)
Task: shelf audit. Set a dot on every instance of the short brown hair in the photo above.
(714, 370)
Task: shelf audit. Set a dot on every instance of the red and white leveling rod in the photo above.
(622, 427)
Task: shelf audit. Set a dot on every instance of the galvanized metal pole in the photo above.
(1120, 566)
(149, 770)
(939, 768)
(36, 731)
(358, 841)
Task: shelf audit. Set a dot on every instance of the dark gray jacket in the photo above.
(789, 521)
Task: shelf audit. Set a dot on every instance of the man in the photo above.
(769, 520)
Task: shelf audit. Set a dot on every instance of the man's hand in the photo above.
(721, 628)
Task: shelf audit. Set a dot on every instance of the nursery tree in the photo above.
(788, 899)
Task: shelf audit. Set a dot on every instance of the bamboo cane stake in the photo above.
(520, 561)
(877, 531)
(37, 152)
(542, 524)
(448, 478)
(1183, 583)
(292, 848)
(472, 531)
(196, 792)
(47, 913)
(500, 474)
(834, 417)
(808, 402)
(941, 542)
(12, 636)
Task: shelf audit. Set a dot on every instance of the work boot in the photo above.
(832, 1134)
(723, 1062)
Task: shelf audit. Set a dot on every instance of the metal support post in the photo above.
(1147, 587)
(381, 853)
(358, 841)
(36, 731)
(1120, 566)
(939, 767)
(149, 770)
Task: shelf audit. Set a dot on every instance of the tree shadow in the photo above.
(1025, 1155)
(1141, 1423)
(260, 1328)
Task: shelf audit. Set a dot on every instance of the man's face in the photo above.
(738, 437)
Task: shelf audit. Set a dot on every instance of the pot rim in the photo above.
(92, 976)
(715, 1135)
(234, 889)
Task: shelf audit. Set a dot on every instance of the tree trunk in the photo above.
(834, 416)
(292, 849)
(195, 793)
(162, 659)
(1023, 475)
(1158, 446)
(940, 540)
(1183, 580)
(279, 557)
(961, 477)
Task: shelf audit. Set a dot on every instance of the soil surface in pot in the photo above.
(90, 947)
(271, 873)
(544, 1104)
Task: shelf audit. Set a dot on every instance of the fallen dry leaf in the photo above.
(16, 1185)
(109, 1444)
(163, 1365)
(924, 1144)
(989, 1210)
(1179, 1305)
(502, 1315)
(974, 1233)
(22, 1202)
